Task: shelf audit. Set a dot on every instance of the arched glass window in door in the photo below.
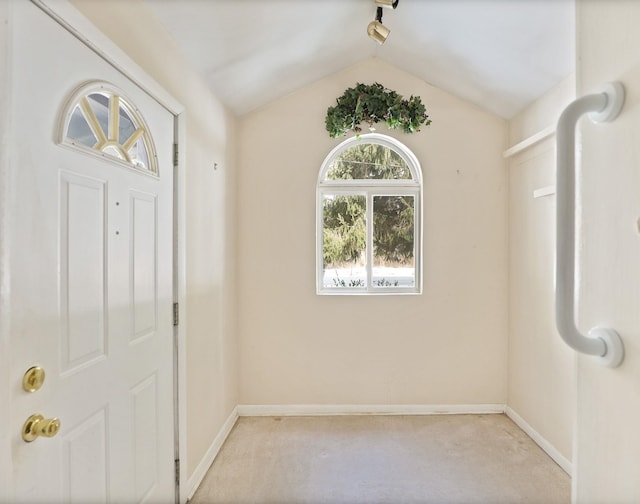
(98, 119)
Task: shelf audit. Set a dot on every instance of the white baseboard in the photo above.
(559, 459)
(204, 465)
(367, 409)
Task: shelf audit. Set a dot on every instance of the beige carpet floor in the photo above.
(382, 459)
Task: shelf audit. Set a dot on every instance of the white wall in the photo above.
(542, 112)
(446, 346)
(608, 433)
(541, 366)
(210, 234)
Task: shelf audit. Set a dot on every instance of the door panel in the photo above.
(83, 271)
(84, 450)
(145, 414)
(143, 266)
(91, 287)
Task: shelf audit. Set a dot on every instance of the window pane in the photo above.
(79, 130)
(344, 236)
(126, 126)
(100, 105)
(369, 162)
(393, 241)
(139, 155)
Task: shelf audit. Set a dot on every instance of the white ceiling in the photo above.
(499, 54)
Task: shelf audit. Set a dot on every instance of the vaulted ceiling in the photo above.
(499, 54)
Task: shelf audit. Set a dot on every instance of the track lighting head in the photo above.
(388, 4)
(376, 30)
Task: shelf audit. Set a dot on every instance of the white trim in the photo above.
(180, 289)
(201, 471)
(530, 142)
(550, 450)
(544, 191)
(367, 409)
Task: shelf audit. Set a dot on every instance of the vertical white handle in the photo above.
(602, 343)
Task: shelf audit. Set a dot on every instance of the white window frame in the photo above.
(369, 189)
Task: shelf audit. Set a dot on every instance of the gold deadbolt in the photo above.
(37, 425)
(33, 379)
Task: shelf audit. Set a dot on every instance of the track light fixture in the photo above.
(376, 30)
(389, 4)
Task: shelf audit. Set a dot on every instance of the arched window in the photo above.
(369, 209)
(99, 120)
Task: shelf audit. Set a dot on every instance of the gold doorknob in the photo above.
(37, 425)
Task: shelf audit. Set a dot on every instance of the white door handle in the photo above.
(603, 343)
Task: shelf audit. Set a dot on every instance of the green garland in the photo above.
(371, 104)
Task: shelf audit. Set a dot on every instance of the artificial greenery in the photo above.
(373, 103)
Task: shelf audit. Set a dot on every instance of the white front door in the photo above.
(90, 247)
